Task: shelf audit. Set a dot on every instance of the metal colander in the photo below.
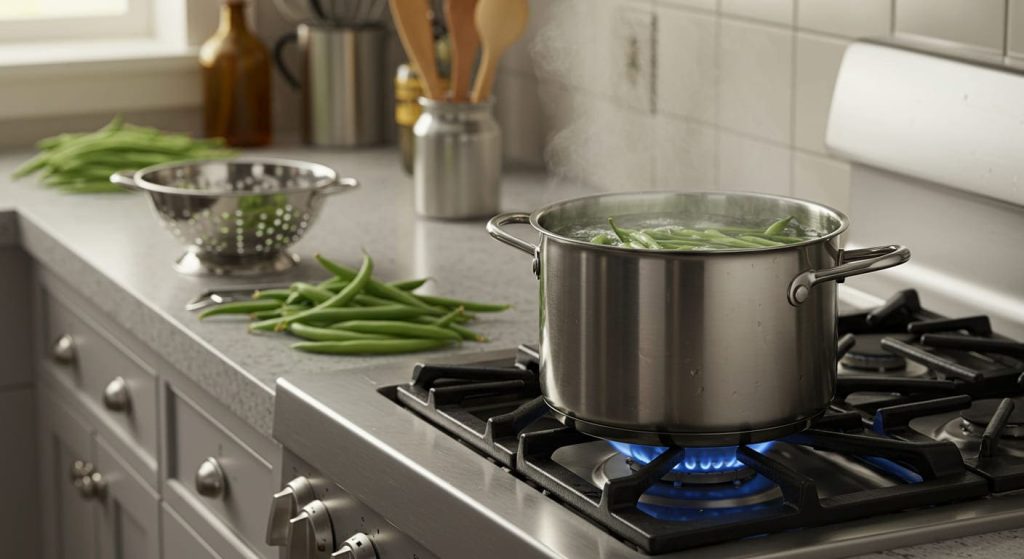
(237, 217)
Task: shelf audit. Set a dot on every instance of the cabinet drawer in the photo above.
(216, 471)
(181, 541)
(111, 381)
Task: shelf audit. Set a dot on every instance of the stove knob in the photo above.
(287, 502)
(312, 535)
(358, 546)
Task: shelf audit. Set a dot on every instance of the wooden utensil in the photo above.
(465, 42)
(499, 23)
(413, 24)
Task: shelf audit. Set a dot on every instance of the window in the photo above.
(30, 21)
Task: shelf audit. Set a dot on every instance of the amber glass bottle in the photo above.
(236, 81)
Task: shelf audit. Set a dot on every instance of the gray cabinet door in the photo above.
(180, 541)
(69, 521)
(128, 515)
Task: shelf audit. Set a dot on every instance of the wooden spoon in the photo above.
(413, 24)
(500, 23)
(465, 41)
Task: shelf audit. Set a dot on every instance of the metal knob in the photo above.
(210, 479)
(312, 535)
(287, 502)
(87, 480)
(116, 396)
(358, 546)
(64, 350)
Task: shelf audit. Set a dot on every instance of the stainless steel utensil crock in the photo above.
(686, 347)
(341, 79)
(457, 160)
(236, 217)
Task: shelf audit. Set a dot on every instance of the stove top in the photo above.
(927, 412)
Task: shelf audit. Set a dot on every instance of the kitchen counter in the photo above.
(114, 250)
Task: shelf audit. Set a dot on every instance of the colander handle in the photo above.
(124, 178)
(340, 185)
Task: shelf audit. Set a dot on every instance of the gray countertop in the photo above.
(113, 249)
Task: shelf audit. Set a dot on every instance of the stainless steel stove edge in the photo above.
(459, 504)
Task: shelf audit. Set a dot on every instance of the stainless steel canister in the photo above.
(695, 348)
(341, 78)
(457, 162)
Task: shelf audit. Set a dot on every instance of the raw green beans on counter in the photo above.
(353, 313)
(682, 238)
(82, 163)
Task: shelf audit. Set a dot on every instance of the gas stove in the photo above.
(924, 416)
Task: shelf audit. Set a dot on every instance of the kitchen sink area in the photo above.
(564, 279)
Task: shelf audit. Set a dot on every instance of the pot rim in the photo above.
(844, 223)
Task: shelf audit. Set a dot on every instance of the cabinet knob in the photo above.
(210, 479)
(64, 350)
(87, 480)
(311, 533)
(358, 546)
(116, 396)
(295, 494)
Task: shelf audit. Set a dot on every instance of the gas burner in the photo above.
(868, 355)
(699, 466)
(976, 419)
(678, 493)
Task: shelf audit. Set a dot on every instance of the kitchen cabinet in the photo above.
(119, 481)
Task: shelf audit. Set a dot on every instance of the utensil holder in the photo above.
(457, 164)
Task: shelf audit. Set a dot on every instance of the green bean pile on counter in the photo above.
(82, 163)
(682, 238)
(352, 313)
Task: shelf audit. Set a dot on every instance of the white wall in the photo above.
(710, 94)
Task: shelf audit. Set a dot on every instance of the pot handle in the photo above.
(854, 262)
(494, 228)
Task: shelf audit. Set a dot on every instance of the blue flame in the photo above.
(695, 460)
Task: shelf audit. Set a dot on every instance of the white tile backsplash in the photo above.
(708, 5)
(755, 80)
(848, 18)
(774, 11)
(822, 179)
(687, 70)
(1015, 28)
(752, 165)
(817, 64)
(979, 23)
(741, 88)
(685, 154)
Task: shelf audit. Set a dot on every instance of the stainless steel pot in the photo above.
(687, 347)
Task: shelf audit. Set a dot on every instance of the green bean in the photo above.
(645, 239)
(240, 307)
(371, 347)
(719, 237)
(332, 315)
(373, 287)
(467, 305)
(293, 297)
(462, 331)
(409, 285)
(779, 226)
(372, 301)
(339, 299)
(277, 294)
(312, 293)
(784, 239)
(449, 318)
(330, 334)
(760, 241)
(621, 234)
(603, 239)
(400, 328)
